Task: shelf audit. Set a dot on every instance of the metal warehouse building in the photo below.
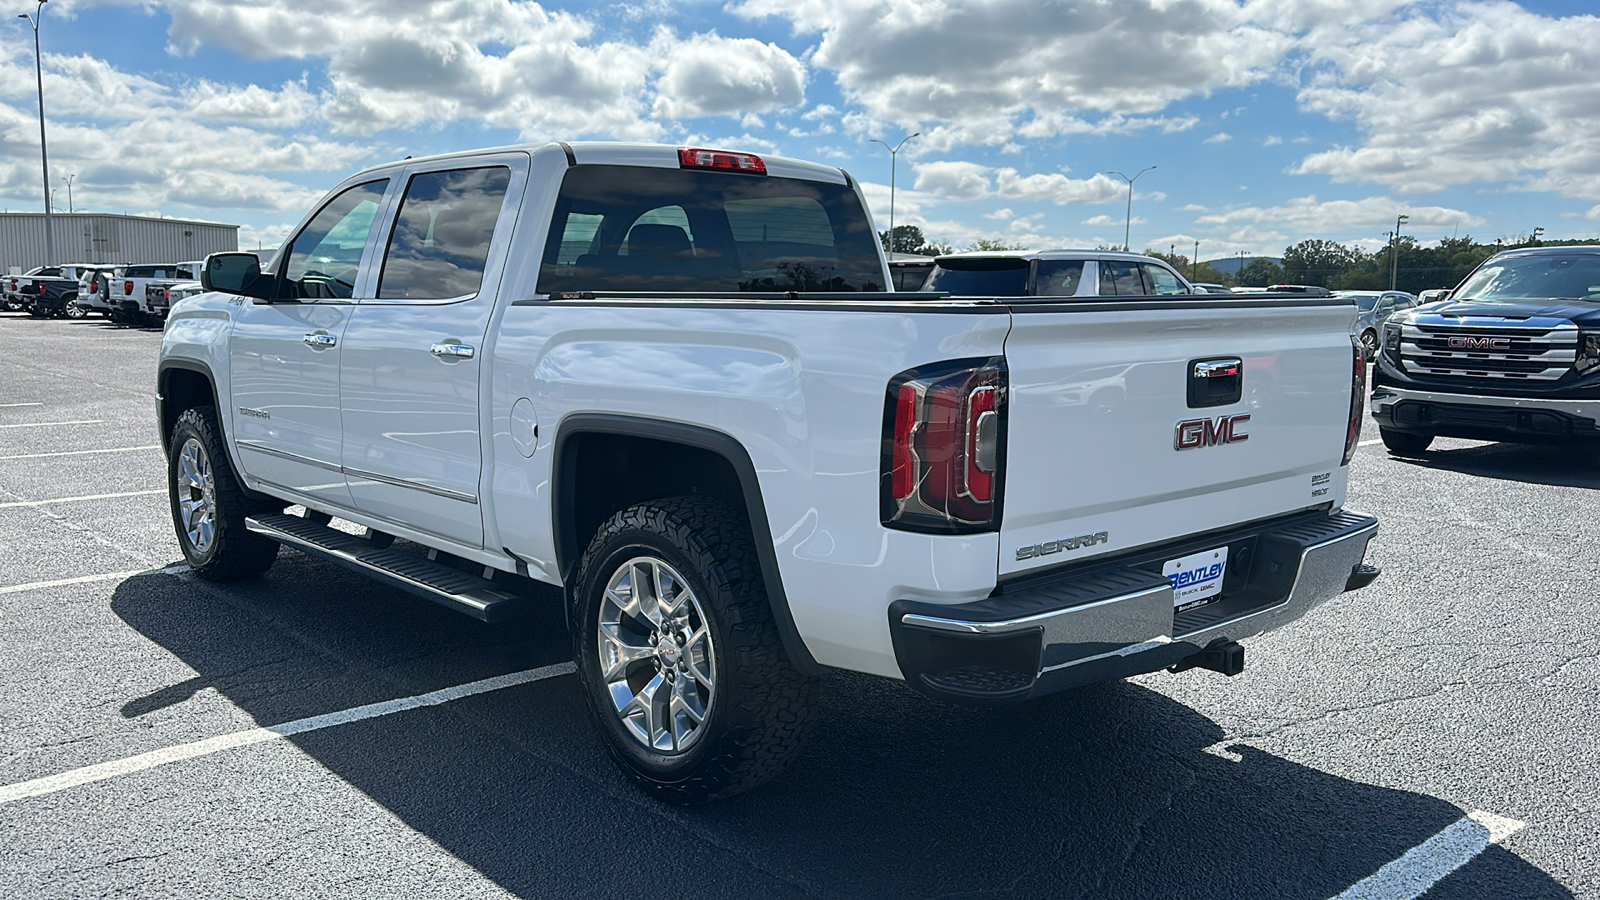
(100, 238)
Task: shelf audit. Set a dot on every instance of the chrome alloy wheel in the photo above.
(197, 495)
(656, 655)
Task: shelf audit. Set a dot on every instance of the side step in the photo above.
(477, 597)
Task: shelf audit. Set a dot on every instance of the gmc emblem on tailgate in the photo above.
(1194, 433)
(1483, 343)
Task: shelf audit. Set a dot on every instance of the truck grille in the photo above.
(1489, 347)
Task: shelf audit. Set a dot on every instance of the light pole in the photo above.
(1394, 251)
(44, 153)
(1127, 220)
(68, 180)
(1194, 261)
(894, 153)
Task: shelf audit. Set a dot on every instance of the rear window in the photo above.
(148, 271)
(909, 276)
(984, 276)
(635, 228)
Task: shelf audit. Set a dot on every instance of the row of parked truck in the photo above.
(133, 294)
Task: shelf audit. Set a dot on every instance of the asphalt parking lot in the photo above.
(164, 737)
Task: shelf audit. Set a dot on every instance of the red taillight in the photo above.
(94, 287)
(942, 451)
(903, 461)
(1358, 403)
(690, 158)
(127, 288)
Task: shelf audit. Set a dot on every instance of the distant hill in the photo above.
(1232, 265)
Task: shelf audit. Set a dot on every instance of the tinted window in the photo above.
(910, 277)
(1160, 281)
(635, 228)
(1120, 279)
(1058, 278)
(441, 238)
(981, 277)
(325, 255)
(147, 271)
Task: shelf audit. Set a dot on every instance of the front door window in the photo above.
(326, 256)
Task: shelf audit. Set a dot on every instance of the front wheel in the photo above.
(679, 656)
(1369, 344)
(209, 505)
(74, 311)
(1405, 443)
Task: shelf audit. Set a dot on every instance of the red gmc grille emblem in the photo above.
(1481, 343)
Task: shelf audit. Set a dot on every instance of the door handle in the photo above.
(453, 351)
(320, 341)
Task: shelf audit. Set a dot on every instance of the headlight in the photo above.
(1391, 340)
(1588, 351)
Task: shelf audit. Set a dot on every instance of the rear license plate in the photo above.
(1196, 578)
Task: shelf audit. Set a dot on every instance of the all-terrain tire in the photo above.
(1405, 443)
(760, 707)
(199, 475)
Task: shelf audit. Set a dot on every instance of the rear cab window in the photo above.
(981, 276)
(647, 229)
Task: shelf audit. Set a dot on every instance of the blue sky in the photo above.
(1268, 121)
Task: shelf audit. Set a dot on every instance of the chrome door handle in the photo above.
(320, 341)
(453, 351)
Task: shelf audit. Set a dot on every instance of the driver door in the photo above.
(284, 354)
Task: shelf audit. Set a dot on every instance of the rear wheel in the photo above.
(74, 311)
(1405, 443)
(679, 656)
(209, 505)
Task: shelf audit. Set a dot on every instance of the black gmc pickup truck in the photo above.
(1512, 354)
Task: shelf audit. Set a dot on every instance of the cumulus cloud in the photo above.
(712, 75)
(1220, 137)
(908, 61)
(1461, 93)
(1307, 215)
(954, 180)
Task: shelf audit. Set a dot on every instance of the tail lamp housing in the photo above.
(944, 447)
(1358, 400)
(728, 160)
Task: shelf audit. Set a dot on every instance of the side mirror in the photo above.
(236, 273)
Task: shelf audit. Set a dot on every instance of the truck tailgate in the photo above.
(1115, 441)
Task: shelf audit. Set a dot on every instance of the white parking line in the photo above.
(1370, 443)
(62, 582)
(9, 405)
(81, 452)
(50, 784)
(1426, 864)
(15, 503)
(49, 424)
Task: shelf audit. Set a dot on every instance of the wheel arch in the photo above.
(696, 460)
(183, 384)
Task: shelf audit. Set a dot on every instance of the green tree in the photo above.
(1201, 272)
(993, 244)
(1260, 272)
(1317, 261)
(910, 239)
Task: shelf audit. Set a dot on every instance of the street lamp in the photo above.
(1127, 221)
(44, 154)
(894, 153)
(1394, 251)
(68, 180)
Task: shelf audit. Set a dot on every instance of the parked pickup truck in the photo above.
(1512, 354)
(668, 382)
(158, 291)
(49, 291)
(130, 305)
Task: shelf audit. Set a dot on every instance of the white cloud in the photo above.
(1057, 188)
(1272, 140)
(954, 180)
(712, 75)
(1220, 137)
(955, 65)
(1308, 216)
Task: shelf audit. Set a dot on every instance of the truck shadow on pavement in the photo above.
(1564, 465)
(1103, 792)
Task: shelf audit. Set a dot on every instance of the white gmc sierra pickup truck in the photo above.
(669, 382)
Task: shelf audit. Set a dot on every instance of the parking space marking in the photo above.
(1370, 443)
(81, 452)
(9, 405)
(1426, 864)
(63, 582)
(50, 424)
(50, 784)
(16, 503)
